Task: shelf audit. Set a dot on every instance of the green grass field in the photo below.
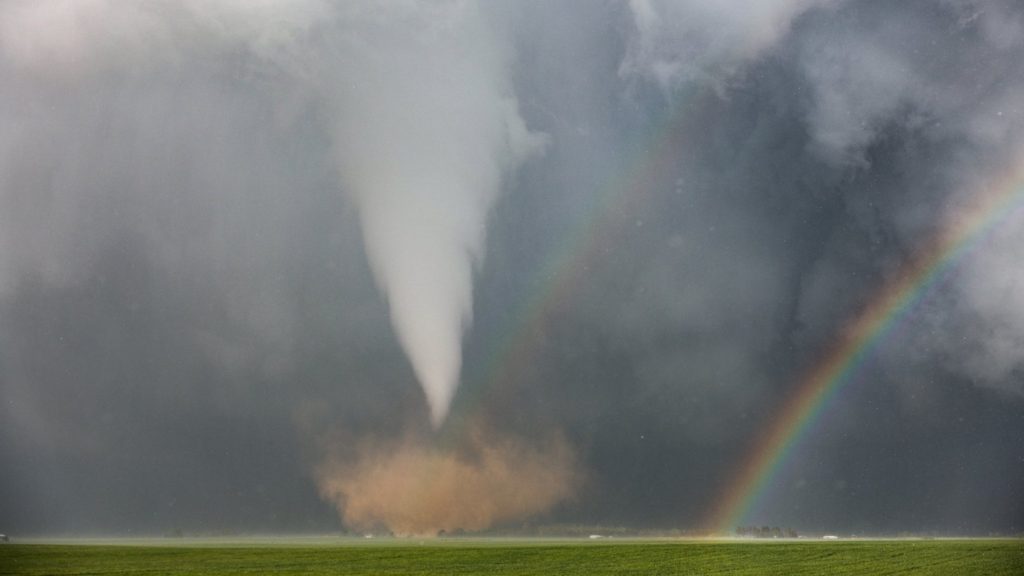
(498, 557)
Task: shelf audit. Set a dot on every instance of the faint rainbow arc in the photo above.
(566, 264)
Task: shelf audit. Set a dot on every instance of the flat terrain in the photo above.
(498, 557)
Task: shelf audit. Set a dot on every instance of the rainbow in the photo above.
(600, 223)
(968, 226)
(584, 242)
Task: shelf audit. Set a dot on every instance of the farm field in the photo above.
(513, 556)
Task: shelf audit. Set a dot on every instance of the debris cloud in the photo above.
(414, 488)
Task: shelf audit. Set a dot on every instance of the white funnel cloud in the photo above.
(422, 116)
(424, 127)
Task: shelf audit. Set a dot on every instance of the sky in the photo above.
(296, 266)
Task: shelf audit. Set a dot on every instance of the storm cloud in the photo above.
(658, 214)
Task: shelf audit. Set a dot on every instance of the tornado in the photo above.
(425, 127)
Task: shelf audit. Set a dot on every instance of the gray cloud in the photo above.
(681, 41)
(190, 322)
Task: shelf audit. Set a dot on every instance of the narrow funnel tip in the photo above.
(438, 414)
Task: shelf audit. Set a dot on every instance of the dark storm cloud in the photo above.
(187, 311)
(807, 170)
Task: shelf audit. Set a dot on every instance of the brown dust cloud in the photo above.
(412, 487)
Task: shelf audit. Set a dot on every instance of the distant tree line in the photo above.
(766, 532)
